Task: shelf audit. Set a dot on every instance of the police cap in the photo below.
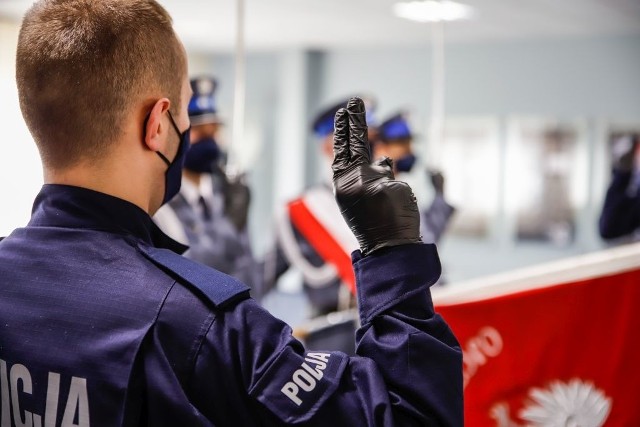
(394, 128)
(323, 122)
(202, 106)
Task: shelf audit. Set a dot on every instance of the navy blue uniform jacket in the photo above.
(103, 324)
(621, 211)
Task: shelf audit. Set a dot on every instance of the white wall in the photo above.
(596, 77)
(20, 171)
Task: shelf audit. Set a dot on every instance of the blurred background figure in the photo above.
(210, 212)
(620, 217)
(394, 140)
(312, 237)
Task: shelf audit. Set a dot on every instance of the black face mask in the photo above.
(173, 175)
(202, 155)
(405, 163)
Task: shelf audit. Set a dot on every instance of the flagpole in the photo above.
(239, 90)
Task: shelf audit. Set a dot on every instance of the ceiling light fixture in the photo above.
(433, 11)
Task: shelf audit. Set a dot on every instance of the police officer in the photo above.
(210, 212)
(395, 141)
(300, 247)
(620, 217)
(103, 323)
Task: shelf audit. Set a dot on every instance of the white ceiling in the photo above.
(209, 25)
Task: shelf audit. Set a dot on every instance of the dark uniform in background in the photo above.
(620, 217)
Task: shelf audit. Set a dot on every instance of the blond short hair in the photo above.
(83, 64)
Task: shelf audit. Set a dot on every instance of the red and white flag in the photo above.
(555, 345)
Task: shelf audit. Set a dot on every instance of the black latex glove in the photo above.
(237, 198)
(437, 181)
(237, 203)
(379, 210)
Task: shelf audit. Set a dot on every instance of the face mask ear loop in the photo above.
(164, 158)
(173, 123)
(175, 126)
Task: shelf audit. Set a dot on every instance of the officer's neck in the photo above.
(112, 178)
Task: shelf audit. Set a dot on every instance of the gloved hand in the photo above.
(379, 211)
(237, 198)
(437, 181)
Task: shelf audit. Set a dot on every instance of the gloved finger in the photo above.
(341, 155)
(385, 164)
(358, 141)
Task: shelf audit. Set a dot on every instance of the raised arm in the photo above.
(408, 371)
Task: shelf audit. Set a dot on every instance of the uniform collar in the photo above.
(76, 207)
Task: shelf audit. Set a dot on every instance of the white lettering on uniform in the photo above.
(53, 392)
(306, 377)
(17, 381)
(304, 380)
(77, 400)
(324, 357)
(5, 416)
(317, 374)
(20, 373)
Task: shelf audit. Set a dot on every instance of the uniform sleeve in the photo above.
(621, 212)
(408, 368)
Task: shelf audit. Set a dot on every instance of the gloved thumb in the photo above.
(384, 165)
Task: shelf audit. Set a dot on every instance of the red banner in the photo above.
(552, 346)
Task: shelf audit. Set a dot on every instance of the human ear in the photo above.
(155, 128)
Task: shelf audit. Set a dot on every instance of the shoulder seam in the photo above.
(218, 288)
(197, 346)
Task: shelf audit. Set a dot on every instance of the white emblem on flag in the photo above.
(573, 404)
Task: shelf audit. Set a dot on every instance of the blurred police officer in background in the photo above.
(209, 214)
(620, 217)
(103, 323)
(394, 140)
(301, 249)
